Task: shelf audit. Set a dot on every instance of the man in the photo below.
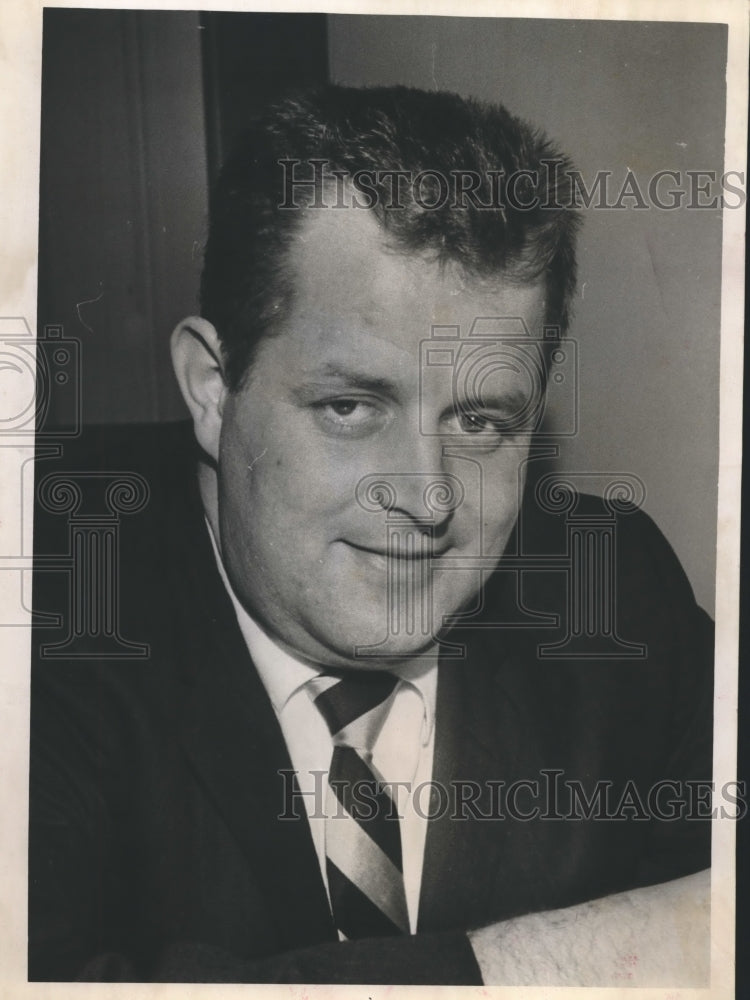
(404, 717)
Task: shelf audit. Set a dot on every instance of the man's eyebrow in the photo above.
(515, 401)
(321, 378)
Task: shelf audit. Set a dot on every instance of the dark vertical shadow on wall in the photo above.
(123, 201)
(249, 59)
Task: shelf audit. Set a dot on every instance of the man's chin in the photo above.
(379, 652)
(382, 641)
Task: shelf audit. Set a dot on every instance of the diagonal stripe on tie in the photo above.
(359, 917)
(363, 839)
(360, 860)
(372, 809)
(351, 698)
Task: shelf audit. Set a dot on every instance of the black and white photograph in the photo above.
(371, 391)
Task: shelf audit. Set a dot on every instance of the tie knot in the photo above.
(354, 706)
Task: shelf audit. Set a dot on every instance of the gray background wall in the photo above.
(124, 198)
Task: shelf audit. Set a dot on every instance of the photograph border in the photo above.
(20, 31)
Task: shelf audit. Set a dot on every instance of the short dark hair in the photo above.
(246, 286)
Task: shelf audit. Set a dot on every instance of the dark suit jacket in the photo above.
(156, 851)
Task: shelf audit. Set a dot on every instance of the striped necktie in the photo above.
(363, 839)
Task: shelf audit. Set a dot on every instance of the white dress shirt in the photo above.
(403, 751)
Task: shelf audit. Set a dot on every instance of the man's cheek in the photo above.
(498, 525)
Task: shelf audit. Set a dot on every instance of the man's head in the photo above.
(407, 151)
(359, 490)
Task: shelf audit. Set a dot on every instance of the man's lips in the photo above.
(399, 552)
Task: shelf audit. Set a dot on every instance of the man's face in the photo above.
(356, 481)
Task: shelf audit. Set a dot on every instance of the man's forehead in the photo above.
(329, 237)
(344, 261)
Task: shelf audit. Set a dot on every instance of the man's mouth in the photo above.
(402, 549)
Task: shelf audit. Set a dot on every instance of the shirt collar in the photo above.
(283, 674)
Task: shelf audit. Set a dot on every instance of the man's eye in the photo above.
(478, 423)
(472, 422)
(343, 407)
(349, 417)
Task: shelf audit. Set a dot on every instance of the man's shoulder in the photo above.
(143, 448)
(122, 553)
(564, 530)
(132, 476)
(593, 581)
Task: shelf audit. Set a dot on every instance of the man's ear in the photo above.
(196, 357)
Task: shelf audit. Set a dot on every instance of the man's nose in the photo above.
(415, 485)
(428, 499)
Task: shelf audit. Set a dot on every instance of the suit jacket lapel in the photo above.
(484, 739)
(453, 884)
(234, 742)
